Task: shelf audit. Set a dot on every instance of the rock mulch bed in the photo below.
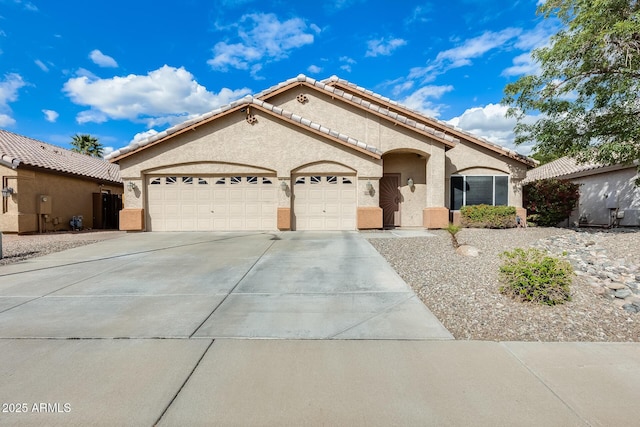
(17, 248)
(615, 279)
(462, 291)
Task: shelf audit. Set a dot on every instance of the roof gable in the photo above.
(17, 150)
(438, 125)
(372, 107)
(246, 103)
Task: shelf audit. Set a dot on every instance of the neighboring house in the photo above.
(44, 187)
(312, 155)
(607, 193)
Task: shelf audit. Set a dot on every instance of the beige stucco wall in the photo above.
(470, 159)
(69, 196)
(231, 145)
(597, 190)
(355, 122)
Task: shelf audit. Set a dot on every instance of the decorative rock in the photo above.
(616, 280)
(467, 250)
(623, 293)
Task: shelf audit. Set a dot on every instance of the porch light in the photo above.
(131, 185)
(7, 191)
(369, 186)
(410, 182)
(283, 185)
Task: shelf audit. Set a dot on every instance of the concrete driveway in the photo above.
(214, 285)
(140, 331)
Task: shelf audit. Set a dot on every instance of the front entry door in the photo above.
(390, 199)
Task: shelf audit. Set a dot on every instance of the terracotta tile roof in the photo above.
(16, 150)
(567, 167)
(392, 115)
(440, 126)
(440, 130)
(246, 101)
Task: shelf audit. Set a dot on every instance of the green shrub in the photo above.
(533, 275)
(486, 216)
(453, 230)
(550, 201)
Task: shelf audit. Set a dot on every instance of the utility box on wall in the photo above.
(44, 204)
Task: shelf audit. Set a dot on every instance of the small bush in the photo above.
(533, 275)
(550, 201)
(453, 230)
(487, 216)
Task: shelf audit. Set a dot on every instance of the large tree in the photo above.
(87, 144)
(588, 87)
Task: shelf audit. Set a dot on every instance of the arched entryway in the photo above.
(403, 188)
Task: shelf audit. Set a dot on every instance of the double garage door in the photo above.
(238, 203)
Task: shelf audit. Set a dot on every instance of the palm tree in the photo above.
(87, 144)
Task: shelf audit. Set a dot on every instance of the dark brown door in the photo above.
(390, 199)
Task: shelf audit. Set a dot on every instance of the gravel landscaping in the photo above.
(17, 248)
(462, 291)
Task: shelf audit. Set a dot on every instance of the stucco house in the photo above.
(608, 194)
(44, 187)
(312, 155)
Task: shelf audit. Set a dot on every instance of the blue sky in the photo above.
(120, 70)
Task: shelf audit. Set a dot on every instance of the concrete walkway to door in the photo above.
(292, 285)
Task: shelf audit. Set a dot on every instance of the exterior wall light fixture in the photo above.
(283, 185)
(7, 191)
(131, 186)
(410, 182)
(369, 186)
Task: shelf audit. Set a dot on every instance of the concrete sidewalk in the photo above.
(199, 382)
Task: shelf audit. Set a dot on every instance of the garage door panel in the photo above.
(325, 203)
(212, 203)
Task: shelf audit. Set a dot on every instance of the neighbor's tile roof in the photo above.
(247, 101)
(16, 150)
(564, 167)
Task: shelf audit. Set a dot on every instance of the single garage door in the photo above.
(324, 202)
(212, 203)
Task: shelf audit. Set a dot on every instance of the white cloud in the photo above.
(42, 65)
(50, 115)
(314, 69)
(27, 5)
(522, 64)
(167, 95)
(463, 54)
(420, 99)
(383, 47)
(102, 60)
(346, 62)
(490, 122)
(536, 38)
(261, 38)
(420, 14)
(9, 87)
